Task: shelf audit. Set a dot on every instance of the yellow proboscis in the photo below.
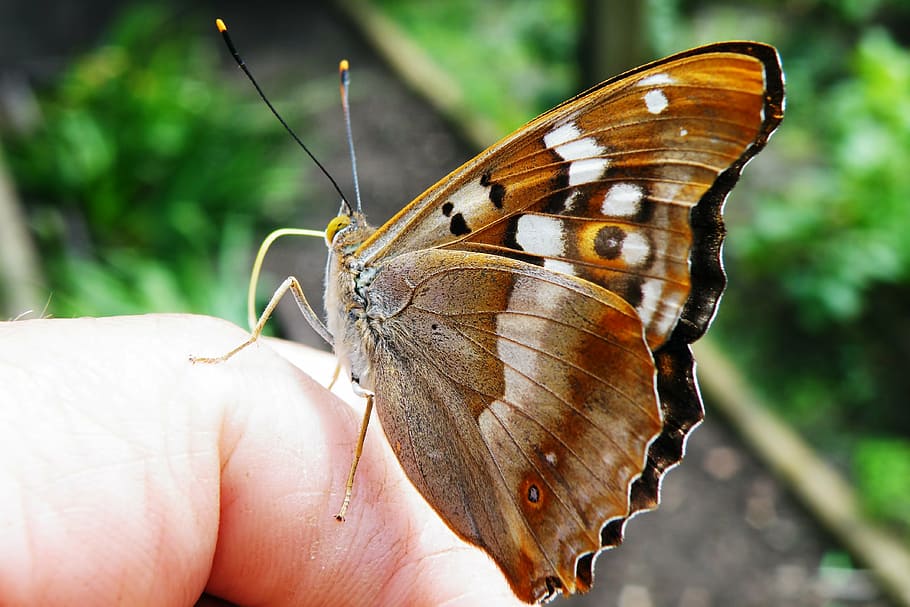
(336, 225)
(252, 317)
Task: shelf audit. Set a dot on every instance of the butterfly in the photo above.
(523, 327)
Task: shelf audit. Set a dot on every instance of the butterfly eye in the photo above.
(335, 226)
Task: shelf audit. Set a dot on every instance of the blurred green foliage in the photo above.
(140, 169)
(883, 472)
(512, 59)
(838, 228)
(816, 312)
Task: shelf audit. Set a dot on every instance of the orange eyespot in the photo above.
(335, 226)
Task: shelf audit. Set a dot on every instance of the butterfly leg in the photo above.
(358, 451)
(335, 375)
(290, 284)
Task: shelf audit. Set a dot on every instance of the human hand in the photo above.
(129, 475)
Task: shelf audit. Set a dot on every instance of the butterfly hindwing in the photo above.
(525, 428)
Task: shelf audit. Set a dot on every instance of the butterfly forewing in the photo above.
(525, 323)
(601, 187)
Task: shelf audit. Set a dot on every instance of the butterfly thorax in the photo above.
(346, 295)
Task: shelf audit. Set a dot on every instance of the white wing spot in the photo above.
(540, 235)
(585, 155)
(587, 170)
(579, 149)
(544, 236)
(635, 248)
(465, 200)
(561, 134)
(622, 199)
(651, 292)
(551, 458)
(656, 101)
(671, 308)
(655, 79)
(683, 132)
(558, 265)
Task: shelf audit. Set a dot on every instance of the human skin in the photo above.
(129, 475)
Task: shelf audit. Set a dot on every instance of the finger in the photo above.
(110, 473)
(253, 434)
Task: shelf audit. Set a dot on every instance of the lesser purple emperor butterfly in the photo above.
(524, 325)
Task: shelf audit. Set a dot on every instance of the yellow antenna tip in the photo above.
(343, 66)
(220, 25)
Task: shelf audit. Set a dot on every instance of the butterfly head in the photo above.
(345, 232)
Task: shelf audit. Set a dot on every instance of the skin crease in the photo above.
(130, 476)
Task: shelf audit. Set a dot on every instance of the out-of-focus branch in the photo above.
(21, 279)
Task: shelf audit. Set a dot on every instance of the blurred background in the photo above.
(139, 172)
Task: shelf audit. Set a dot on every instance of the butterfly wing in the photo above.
(521, 403)
(603, 186)
(532, 366)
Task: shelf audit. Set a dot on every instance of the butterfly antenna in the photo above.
(240, 63)
(344, 72)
